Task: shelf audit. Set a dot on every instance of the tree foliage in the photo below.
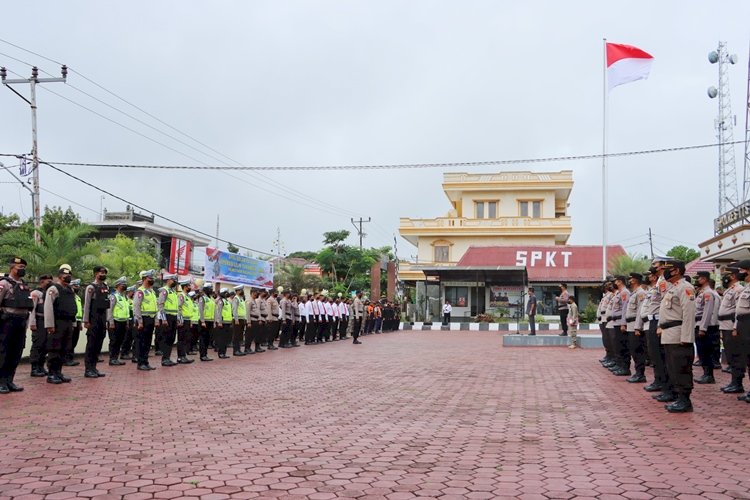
(293, 277)
(127, 257)
(629, 263)
(683, 253)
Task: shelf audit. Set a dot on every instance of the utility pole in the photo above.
(359, 229)
(651, 243)
(33, 81)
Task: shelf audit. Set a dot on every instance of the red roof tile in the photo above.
(546, 263)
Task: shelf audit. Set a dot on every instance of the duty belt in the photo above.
(672, 324)
(630, 319)
(254, 317)
(698, 318)
(644, 318)
(724, 317)
(617, 317)
(275, 315)
(743, 316)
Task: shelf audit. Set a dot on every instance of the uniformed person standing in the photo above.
(677, 330)
(619, 325)
(287, 318)
(612, 366)
(118, 316)
(296, 321)
(252, 320)
(706, 325)
(343, 318)
(239, 320)
(634, 327)
(59, 317)
(95, 306)
(78, 327)
(38, 353)
(206, 313)
(166, 316)
(222, 322)
(741, 359)
(601, 317)
(731, 281)
(186, 310)
(128, 341)
(305, 313)
(273, 321)
(649, 323)
(359, 311)
(144, 318)
(15, 305)
(262, 335)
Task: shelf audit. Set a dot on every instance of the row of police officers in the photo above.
(663, 317)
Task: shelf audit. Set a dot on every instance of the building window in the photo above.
(486, 209)
(457, 295)
(531, 209)
(441, 253)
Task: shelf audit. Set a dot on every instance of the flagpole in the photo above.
(604, 161)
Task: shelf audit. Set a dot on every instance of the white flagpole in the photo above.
(604, 162)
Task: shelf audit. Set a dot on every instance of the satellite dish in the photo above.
(733, 59)
(712, 92)
(713, 57)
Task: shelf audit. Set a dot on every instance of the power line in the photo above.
(190, 228)
(402, 165)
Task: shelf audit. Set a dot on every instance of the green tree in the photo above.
(293, 278)
(303, 255)
(232, 249)
(55, 218)
(127, 257)
(329, 258)
(628, 263)
(61, 245)
(683, 253)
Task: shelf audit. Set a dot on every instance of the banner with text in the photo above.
(237, 269)
(179, 256)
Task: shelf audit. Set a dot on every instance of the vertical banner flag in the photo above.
(626, 64)
(179, 256)
(237, 269)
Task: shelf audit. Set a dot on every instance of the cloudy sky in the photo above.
(371, 82)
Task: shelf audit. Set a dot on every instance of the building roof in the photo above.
(697, 265)
(149, 228)
(546, 264)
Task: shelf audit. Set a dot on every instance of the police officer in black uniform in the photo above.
(59, 318)
(38, 354)
(15, 304)
(95, 306)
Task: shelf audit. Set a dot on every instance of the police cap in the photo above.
(743, 264)
(637, 276)
(703, 274)
(16, 260)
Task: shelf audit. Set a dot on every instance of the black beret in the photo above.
(703, 274)
(636, 276)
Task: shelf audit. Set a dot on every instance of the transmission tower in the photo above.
(724, 124)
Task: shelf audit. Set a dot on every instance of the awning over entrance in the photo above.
(507, 275)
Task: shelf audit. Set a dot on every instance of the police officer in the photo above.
(649, 323)
(128, 340)
(252, 320)
(287, 319)
(167, 319)
(118, 316)
(706, 325)
(741, 331)
(731, 281)
(619, 326)
(195, 324)
(601, 315)
(223, 322)
(296, 321)
(15, 305)
(634, 327)
(359, 312)
(144, 318)
(677, 330)
(59, 318)
(239, 321)
(272, 304)
(263, 326)
(185, 313)
(38, 354)
(70, 357)
(206, 313)
(95, 306)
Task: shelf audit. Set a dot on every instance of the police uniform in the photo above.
(95, 306)
(359, 312)
(195, 324)
(634, 327)
(619, 328)
(650, 323)
(239, 321)
(727, 310)
(741, 359)
(297, 322)
(118, 316)
(15, 305)
(167, 305)
(222, 323)
(707, 304)
(287, 318)
(38, 353)
(127, 342)
(262, 334)
(206, 311)
(601, 318)
(677, 325)
(252, 321)
(59, 318)
(185, 312)
(144, 318)
(273, 321)
(77, 327)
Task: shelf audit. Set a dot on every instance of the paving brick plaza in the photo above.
(410, 414)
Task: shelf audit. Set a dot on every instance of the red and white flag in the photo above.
(626, 64)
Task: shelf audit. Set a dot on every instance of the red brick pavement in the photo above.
(412, 414)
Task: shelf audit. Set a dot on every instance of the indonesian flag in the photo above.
(626, 64)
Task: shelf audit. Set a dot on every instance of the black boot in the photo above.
(682, 405)
(4, 387)
(734, 387)
(653, 387)
(638, 378)
(38, 371)
(707, 378)
(665, 397)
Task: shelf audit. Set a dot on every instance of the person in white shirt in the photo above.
(447, 309)
(343, 318)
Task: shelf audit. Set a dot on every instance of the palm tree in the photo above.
(64, 245)
(293, 277)
(622, 265)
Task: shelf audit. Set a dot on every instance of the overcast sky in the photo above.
(373, 82)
